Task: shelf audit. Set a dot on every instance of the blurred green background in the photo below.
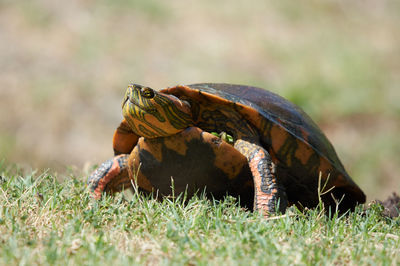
(64, 67)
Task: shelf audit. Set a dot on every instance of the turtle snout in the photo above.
(136, 92)
(133, 93)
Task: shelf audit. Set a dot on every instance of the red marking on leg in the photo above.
(262, 199)
(113, 172)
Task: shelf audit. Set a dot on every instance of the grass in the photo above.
(49, 222)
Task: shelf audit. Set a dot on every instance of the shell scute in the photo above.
(288, 133)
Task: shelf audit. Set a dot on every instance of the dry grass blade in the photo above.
(386, 235)
(280, 217)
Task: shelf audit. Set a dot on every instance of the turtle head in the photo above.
(153, 114)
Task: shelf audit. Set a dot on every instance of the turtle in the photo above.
(278, 156)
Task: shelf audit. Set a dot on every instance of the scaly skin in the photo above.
(152, 115)
(267, 192)
(114, 168)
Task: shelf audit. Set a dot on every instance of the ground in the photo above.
(46, 221)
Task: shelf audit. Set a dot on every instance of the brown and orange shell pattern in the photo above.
(296, 144)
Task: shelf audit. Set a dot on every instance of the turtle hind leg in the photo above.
(109, 173)
(269, 196)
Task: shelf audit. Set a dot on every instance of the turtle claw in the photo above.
(107, 171)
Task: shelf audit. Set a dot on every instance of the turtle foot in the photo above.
(107, 171)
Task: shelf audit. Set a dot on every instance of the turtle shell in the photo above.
(306, 161)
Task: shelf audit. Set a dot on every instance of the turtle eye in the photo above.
(147, 92)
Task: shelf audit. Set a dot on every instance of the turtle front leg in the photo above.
(267, 192)
(115, 169)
